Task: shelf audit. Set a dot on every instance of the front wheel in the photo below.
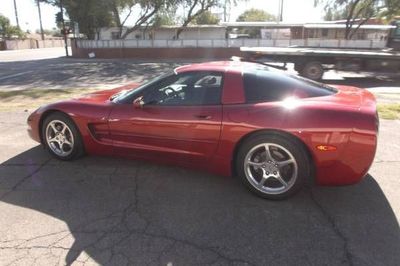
(61, 137)
(272, 166)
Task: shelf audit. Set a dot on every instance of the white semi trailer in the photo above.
(312, 62)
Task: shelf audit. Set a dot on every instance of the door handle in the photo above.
(203, 117)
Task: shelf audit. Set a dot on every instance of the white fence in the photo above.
(33, 44)
(226, 43)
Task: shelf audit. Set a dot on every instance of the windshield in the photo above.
(127, 96)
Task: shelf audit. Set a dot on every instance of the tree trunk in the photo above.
(350, 19)
(140, 22)
(117, 19)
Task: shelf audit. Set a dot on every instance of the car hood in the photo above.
(104, 95)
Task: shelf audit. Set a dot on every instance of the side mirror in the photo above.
(138, 102)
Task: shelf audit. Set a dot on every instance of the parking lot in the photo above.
(111, 211)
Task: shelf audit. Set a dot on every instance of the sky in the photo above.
(293, 11)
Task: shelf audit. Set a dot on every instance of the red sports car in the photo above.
(272, 130)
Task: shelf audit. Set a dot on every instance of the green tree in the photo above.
(59, 20)
(55, 32)
(254, 14)
(391, 10)
(358, 12)
(331, 15)
(207, 18)
(163, 19)
(148, 11)
(91, 15)
(8, 31)
(195, 8)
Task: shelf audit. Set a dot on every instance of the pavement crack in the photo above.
(335, 227)
(121, 223)
(196, 246)
(381, 161)
(111, 175)
(25, 178)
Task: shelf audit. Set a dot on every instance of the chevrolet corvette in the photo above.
(272, 130)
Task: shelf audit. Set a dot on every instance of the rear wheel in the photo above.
(298, 67)
(61, 137)
(272, 166)
(313, 70)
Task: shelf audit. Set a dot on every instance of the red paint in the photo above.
(180, 135)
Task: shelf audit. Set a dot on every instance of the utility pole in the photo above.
(225, 10)
(40, 20)
(63, 25)
(16, 12)
(281, 10)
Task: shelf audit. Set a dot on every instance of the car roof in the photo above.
(218, 66)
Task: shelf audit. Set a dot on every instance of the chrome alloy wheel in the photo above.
(59, 138)
(270, 168)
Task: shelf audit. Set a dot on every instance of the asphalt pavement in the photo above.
(112, 211)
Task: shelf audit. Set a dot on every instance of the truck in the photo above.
(312, 62)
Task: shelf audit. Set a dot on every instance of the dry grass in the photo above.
(389, 111)
(20, 100)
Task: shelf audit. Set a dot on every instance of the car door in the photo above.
(178, 118)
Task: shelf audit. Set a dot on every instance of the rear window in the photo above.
(262, 85)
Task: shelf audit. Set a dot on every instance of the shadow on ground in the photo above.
(68, 73)
(76, 73)
(130, 212)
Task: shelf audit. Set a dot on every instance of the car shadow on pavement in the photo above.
(116, 211)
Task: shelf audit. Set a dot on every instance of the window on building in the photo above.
(361, 35)
(324, 32)
(115, 35)
(311, 33)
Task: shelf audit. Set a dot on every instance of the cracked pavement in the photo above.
(111, 211)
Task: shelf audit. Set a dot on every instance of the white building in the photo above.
(196, 32)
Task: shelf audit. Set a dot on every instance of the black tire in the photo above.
(298, 67)
(72, 133)
(282, 146)
(313, 70)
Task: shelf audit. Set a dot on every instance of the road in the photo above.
(49, 68)
(110, 211)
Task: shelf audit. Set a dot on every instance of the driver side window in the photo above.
(191, 88)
